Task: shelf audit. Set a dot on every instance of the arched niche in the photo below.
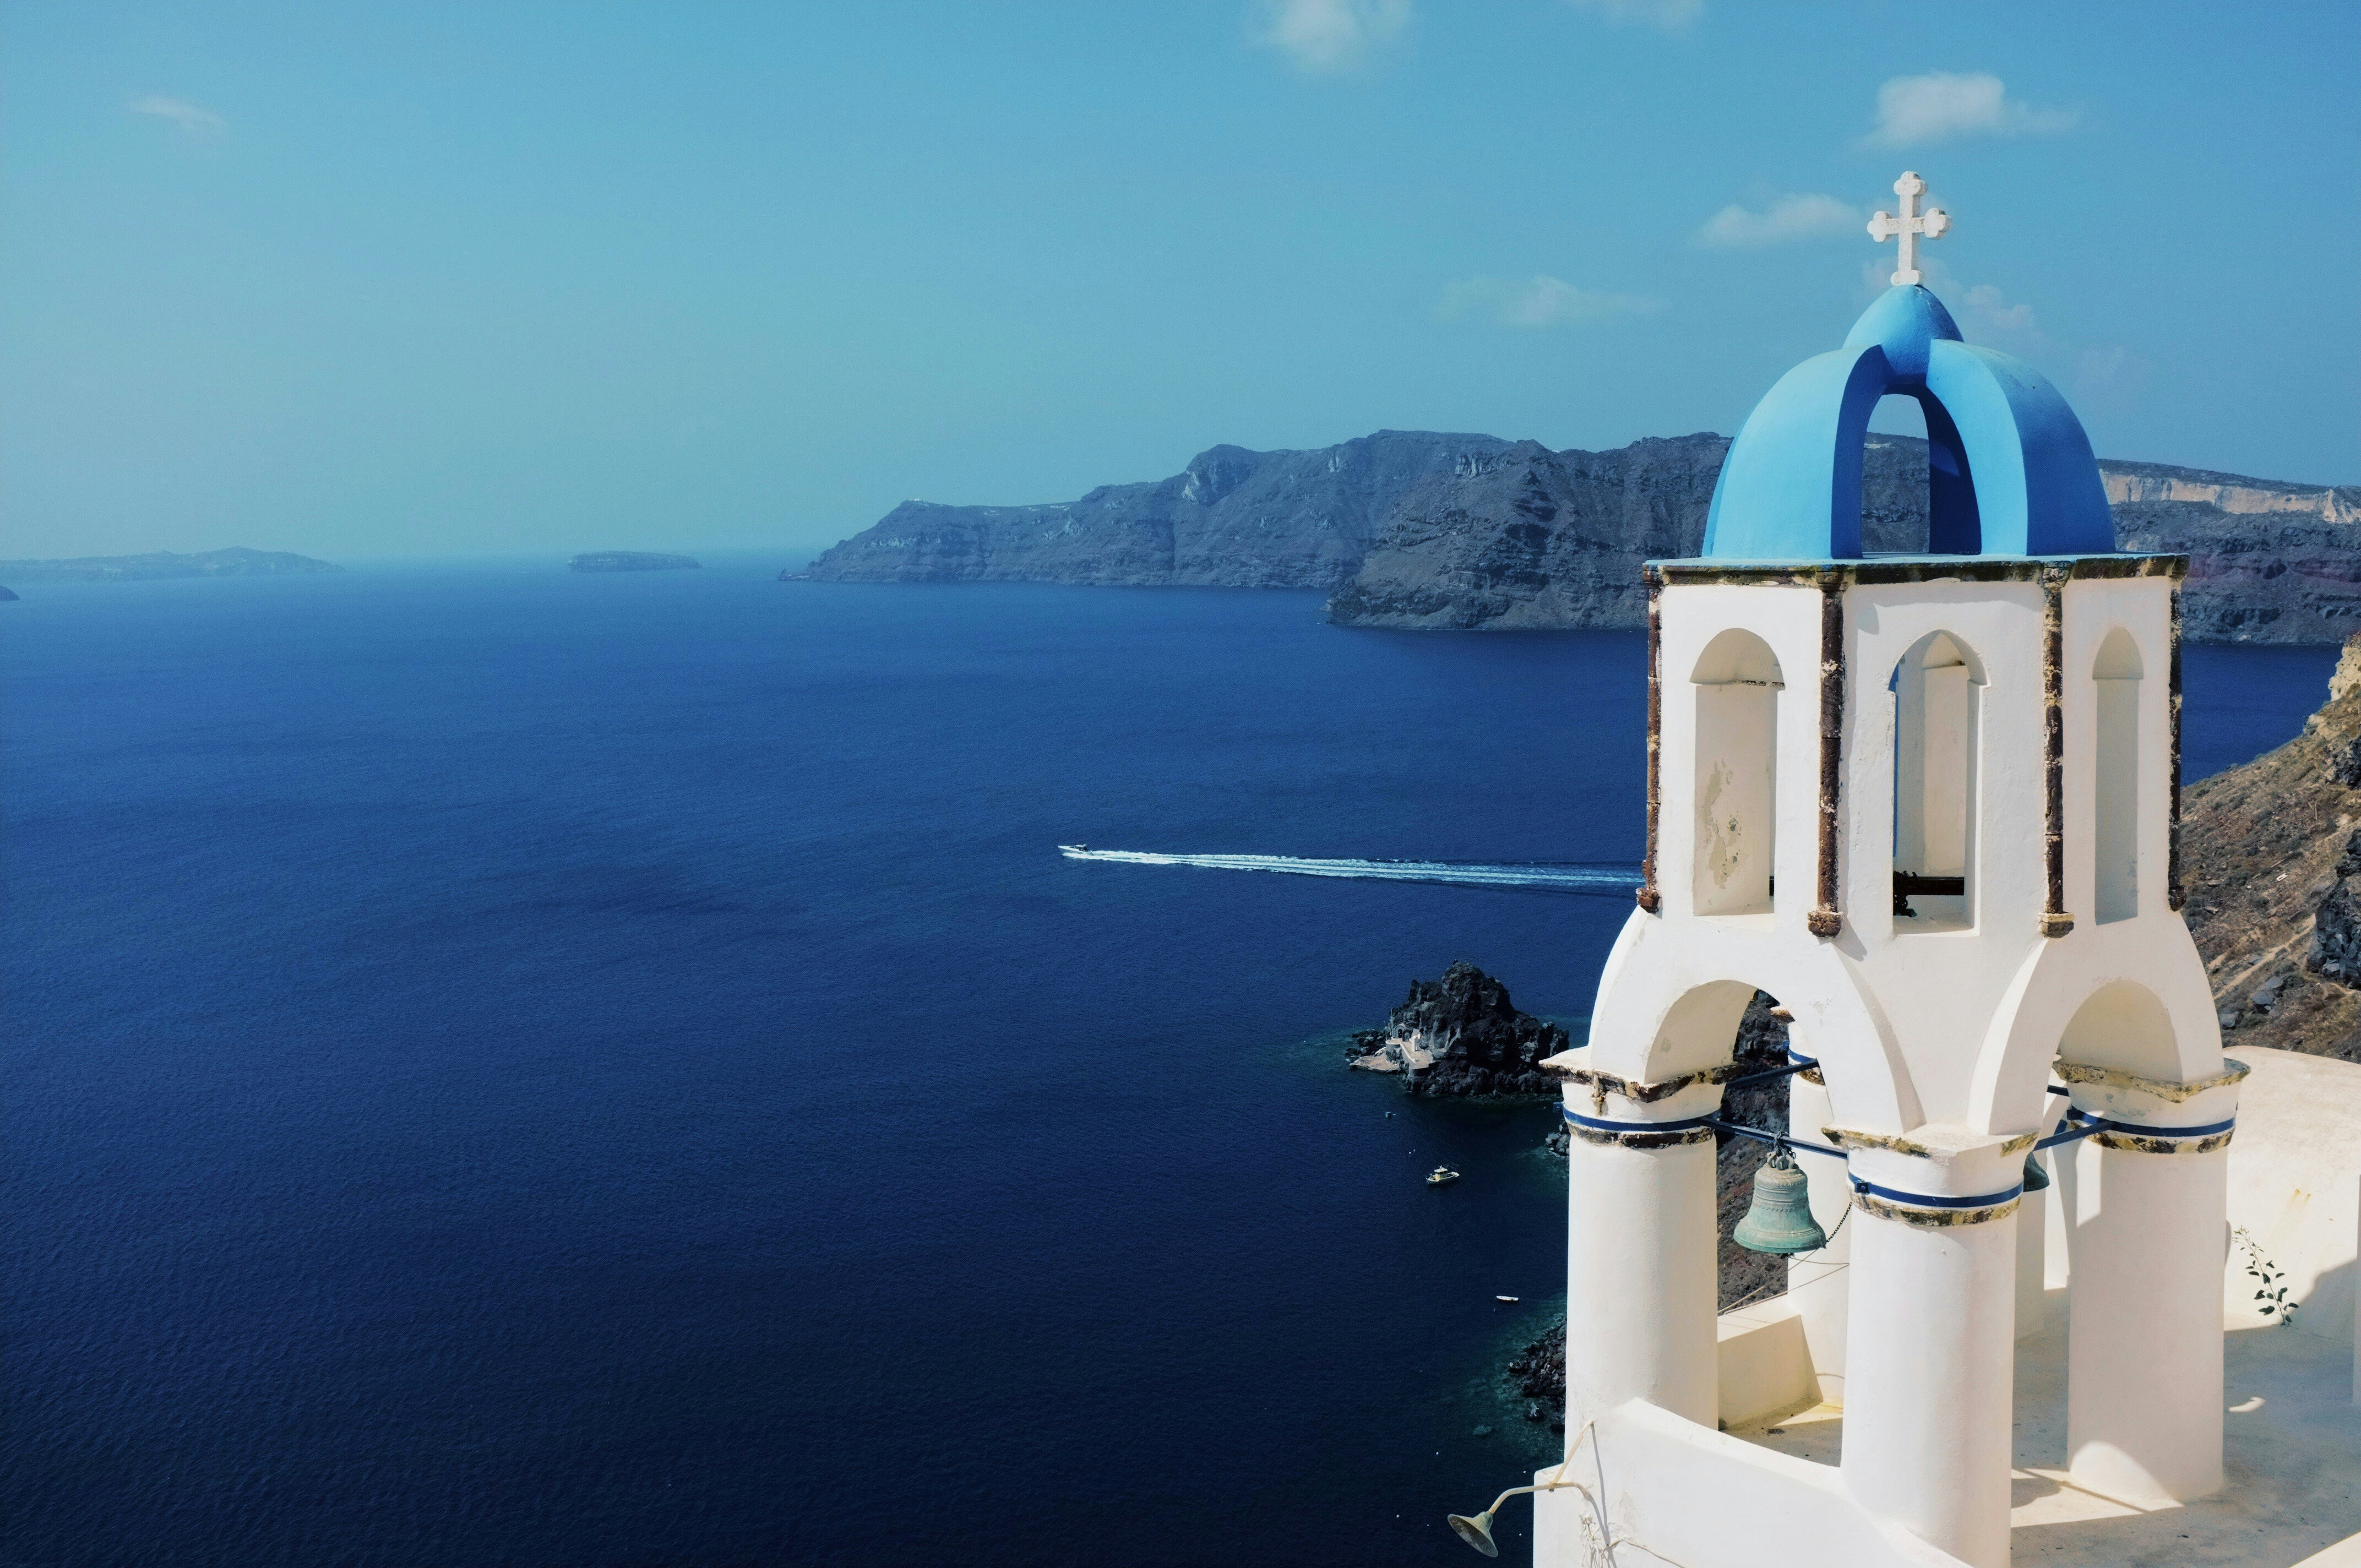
(2123, 1025)
(1936, 689)
(1699, 1030)
(2116, 674)
(1737, 684)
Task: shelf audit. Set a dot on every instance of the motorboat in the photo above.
(1440, 1175)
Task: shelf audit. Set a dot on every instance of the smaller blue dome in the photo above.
(1904, 322)
(2010, 470)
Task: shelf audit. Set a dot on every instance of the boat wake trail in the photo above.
(1539, 876)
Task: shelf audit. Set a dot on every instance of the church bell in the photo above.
(1780, 1220)
(2035, 1178)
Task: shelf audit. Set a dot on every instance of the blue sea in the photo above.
(512, 1068)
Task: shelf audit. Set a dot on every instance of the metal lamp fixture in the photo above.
(1477, 1531)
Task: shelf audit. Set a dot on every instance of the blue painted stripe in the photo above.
(1928, 1200)
(1604, 1125)
(2109, 1124)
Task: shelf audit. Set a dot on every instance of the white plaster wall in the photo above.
(1920, 1025)
(1763, 1363)
(2295, 1171)
(1939, 988)
(1681, 1493)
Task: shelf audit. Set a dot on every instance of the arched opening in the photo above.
(1935, 691)
(1738, 684)
(1917, 496)
(2116, 674)
(2123, 1025)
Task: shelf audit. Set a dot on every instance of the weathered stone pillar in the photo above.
(1640, 1296)
(1931, 1340)
(2145, 1237)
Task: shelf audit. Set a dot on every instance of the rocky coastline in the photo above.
(2271, 872)
(1461, 1037)
(1428, 531)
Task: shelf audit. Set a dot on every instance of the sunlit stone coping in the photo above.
(1574, 1067)
(2157, 1105)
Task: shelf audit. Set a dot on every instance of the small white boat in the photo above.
(1075, 849)
(1440, 1175)
(1504, 1297)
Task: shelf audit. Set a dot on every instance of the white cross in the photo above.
(1909, 226)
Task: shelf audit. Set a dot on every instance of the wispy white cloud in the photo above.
(1787, 218)
(1672, 16)
(1943, 104)
(190, 119)
(1984, 312)
(1532, 303)
(1991, 309)
(1328, 36)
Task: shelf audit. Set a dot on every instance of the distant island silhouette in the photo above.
(631, 561)
(237, 562)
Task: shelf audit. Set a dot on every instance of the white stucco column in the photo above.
(1930, 1356)
(1817, 1281)
(2146, 1231)
(2033, 1243)
(1640, 1249)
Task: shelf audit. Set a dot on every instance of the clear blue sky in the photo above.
(410, 279)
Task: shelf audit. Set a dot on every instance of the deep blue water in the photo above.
(511, 1068)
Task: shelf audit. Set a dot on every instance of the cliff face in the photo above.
(1548, 541)
(2268, 561)
(2271, 861)
(1535, 540)
(1233, 518)
(1468, 532)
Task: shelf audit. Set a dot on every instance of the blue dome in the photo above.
(2010, 471)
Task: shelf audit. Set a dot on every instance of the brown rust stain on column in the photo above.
(2055, 921)
(1648, 897)
(1931, 1219)
(1826, 919)
(2173, 891)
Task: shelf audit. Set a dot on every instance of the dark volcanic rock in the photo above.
(631, 561)
(1542, 540)
(1233, 518)
(1538, 1372)
(2272, 867)
(1461, 1036)
(2336, 939)
(1529, 538)
(2268, 562)
(238, 562)
(1762, 1043)
(1470, 532)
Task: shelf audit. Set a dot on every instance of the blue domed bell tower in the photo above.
(1928, 802)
